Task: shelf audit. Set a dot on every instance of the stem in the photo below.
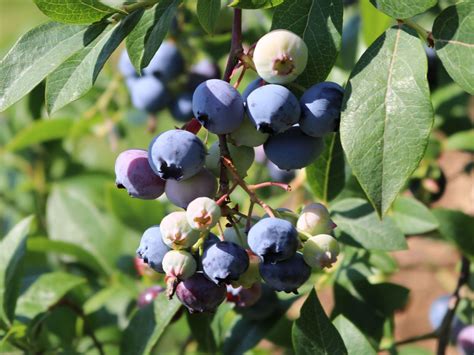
(139, 5)
(281, 185)
(413, 339)
(223, 199)
(249, 218)
(445, 328)
(426, 35)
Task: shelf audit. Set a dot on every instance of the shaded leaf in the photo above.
(74, 11)
(200, 325)
(461, 141)
(208, 13)
(354, 339)
(256, 4)
(413, 217)
(319, 23)
(385, 125)
(403, 9)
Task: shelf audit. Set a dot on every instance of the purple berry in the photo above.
(176, 154)
(152, 249)
(167, 63)
(244, 297)
(465, 340)
(198, 294)
(133, 173)
(265, 306)
(224, 262)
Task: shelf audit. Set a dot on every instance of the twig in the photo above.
(426, 35)
(409, 340)
(249, 218)
(281, 185)
(445, 328)
(224, 198)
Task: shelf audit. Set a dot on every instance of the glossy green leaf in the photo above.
(146, 38)
(319, 23)
(313, 332)
(74, 78)
(74, 11)
(38, 53)
(354, 339)
(387, 115)
(40, 131)
(208, 13)
(453, 33)
(374, 22)
(413, 217)
(403, 9)
(148, 324)
(256, 4)
(46, 291)
(326, 176)
(360, 226)
(12, 250)
(461, 141)
(458, 228)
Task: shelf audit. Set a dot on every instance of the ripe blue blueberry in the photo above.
(176, 154)
(198, 294)
(438, 310)
(224, 262)
(218, 106)
(242, 157)
(152, 249)
(255, 84)
(265, 306)
(181, 193)
(273, 239)
(133, 173)
(125, 66)
(293, 149)
(321, 109)
(182, 107)
(278, 174)
(167, 63)
(286, 275)
(202, 71)
(148, 93)
(273, 108)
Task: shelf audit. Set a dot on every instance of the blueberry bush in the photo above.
(188, 176)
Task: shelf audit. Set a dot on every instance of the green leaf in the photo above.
(12, 250)
(148, 324)
(256, 4)
(374, 22)
(45, 245)
(319, 23)
(326, 176)
(38, 53)
(458, 228)
(46, 291)
(146, 37)
(208, 13)
(387, 115)
(361, 227)
(453, 33)
(313, 332)
(354, 339)
(403, 9)
(461, 141)
(74, 11)
(413, 217)
(200, 325)
(39, 132)
(77, 75)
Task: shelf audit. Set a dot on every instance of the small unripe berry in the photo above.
(176, 231)
(321, 251)
(252, 274)
(280, 56)
(242, 158)
(314, 219)
(179, 264)
(203, 213)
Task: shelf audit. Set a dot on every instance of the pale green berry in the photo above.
(321, 251)
(252, 275)
(286, 214)
(176, 231)
(247, 135)
(203, 213)
(230, 235)
(179, 264)
(242, 158)
(280, 56)
(315, 219)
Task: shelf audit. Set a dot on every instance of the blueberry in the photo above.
(148, 93)
(314, 219)
(273, 239)
(273, 109)
(293, 149)
(179, 264)
(176, 154)
(125, 66)
(438, 310)
(265, 306)
(181, 193)
(203, 213)
(176, 231)
(133, 173)
(321, 251)
(147, 296)
(465, 340)
(218, 106)
(280, 56)
(198, 294)
(167, 63)
(321, 109)
(152, 249)
(202, 71)
(255, 84)
(247, 135)
(224, 262)
(182, 107)
(242, 158)
(286, 275)
(244, 297)
(280, 175)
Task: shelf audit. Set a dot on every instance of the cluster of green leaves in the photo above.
(67, 281)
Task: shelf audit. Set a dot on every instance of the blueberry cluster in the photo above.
(154, 89)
